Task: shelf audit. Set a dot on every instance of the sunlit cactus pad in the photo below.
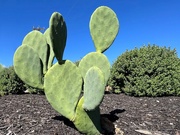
(94, 85)
(104, 27)
(95, 59)
(37, 41)
(87, 122)
(63, 85)
(30, 72)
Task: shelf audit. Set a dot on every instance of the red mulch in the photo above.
(32, 115)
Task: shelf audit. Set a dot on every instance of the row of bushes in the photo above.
(148, 71)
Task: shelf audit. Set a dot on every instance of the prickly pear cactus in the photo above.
(94, 85)
(87, 122)
(58, 34)
(95, 59)
(104, 27)
(28, 66)
(63, 85)
(51, 52)
(63, 82)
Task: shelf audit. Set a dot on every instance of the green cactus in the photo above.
(28, 66)
(63, 85)
(63, 82)
(93, 88)
(87, 122)
(95, 59)
(104, 27)
(51, 52)
(37, 41)
(58, 34)
(31, 59)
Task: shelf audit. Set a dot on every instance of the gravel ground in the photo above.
(30, 114)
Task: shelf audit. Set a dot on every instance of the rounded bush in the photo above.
(148, 71)
(10, 83)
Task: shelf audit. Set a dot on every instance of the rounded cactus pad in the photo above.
(37, 41)
(51, 52)
(58, 34)
(104, 27)
(95, 59)
(28, 66)
(87, 122)
(62, 86)
(94, 87)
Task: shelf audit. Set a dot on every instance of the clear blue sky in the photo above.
(141, 22)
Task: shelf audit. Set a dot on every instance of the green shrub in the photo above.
(1, 67)
(10, 83)
(148, 71)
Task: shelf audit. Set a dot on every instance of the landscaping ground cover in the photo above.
(30, 114)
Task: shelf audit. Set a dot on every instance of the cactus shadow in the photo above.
(112, 116)
(65, 121)
(107, 121)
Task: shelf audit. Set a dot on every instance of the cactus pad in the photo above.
(63, 85)
(37, 41)
(104, 27)
(95, 59)
(87, 122)
(58, 34)
(28, 66)
(51, 52)
(93, 88)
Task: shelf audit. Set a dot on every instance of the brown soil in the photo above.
(32, 115)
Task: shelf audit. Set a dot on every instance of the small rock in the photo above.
(118, 131)
(146, 132)
(171, 124)
(157, 101)
(108, 89)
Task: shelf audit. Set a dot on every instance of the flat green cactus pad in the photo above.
(58, 34)
(51, 52)
(87, 122)
(37, 41)
(104, 27)
(62, 86)
(94, 87)
(28, 66)
(95, 59)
